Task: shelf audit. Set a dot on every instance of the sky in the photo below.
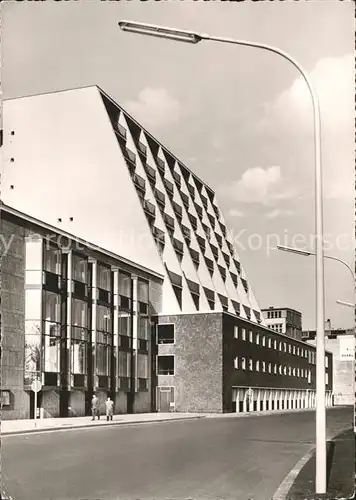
(240, 118)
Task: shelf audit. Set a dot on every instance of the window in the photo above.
(289, 370)
(243, 334)
(165, 334)
(298, 351)
(80, 268)
(250, 364)
(103, 361)
(250, 336)
(243, 363)
(32, 350)
(236, 332)
(289, 348)
(285, 347)
(275, 369)
(236, 363)
(124, 364)
(298, 372)
(103, 319)
(280, 346)
(263, 366)
(269, 342)
(78, 356)
(294, 349)
(142, 366)
(52, 259)
(309, 376)
(143, 328)
(263, 341)
(124, 324)
(104, 277)
(52, 307)
(142, 291)
(275, 344)
(79, 313)
(280, 369)
(269, 367)
(165, 365)
(326, 362)
(257, 338)
(124, 284)
(294, 372)
(284, 370)
(257, 366)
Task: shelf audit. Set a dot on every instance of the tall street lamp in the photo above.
(307, 253)
(194, 38)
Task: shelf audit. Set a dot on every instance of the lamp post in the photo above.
(307, 253)
(194, 38)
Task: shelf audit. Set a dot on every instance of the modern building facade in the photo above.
(284, 320)
(341, 343)
(218, 362)
(158, 245)
(76, 318)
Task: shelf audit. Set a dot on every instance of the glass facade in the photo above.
(47, 303)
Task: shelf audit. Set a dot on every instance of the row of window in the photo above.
(43, 256)
(241, 363)
(274, 314)
(266, 341)
(277, 327)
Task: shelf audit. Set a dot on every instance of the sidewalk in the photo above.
(340, 472)
(9, 427)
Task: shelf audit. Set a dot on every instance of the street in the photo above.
(225, 458)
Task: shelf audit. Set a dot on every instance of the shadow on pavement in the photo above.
(340, 472)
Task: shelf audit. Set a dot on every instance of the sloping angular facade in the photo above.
(74, 148)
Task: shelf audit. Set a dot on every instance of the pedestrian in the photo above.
(109, 409)
(95, 407)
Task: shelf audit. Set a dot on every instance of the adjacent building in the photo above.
(284, 320)
(138, 293)
(341, 343)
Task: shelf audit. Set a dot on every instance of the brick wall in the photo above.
(13, 319)
(198, 362)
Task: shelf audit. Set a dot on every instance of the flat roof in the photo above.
(273, 308)
(91, 246)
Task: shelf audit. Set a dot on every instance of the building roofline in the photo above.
(89, 245)
(59, 91)
(273, 308)
(93, 85)
(265, 328)
(154, 138)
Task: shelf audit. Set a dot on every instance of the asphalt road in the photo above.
(205, 459)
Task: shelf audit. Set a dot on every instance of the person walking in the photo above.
(109, 409)
(95, 407)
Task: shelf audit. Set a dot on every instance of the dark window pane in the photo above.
(165, 334)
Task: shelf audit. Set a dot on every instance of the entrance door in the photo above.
(164, 399)
(32, 404)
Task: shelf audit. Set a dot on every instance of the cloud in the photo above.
(278, 213)
(155, 107)
(233, 212)
(260, 185)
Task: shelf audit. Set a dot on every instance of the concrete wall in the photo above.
(77, 403)
(50, 404)
(198, 362)
(120, 403)
(142, 402)
(12, 276)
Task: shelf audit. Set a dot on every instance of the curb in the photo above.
(87, 426)
(286, 485)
